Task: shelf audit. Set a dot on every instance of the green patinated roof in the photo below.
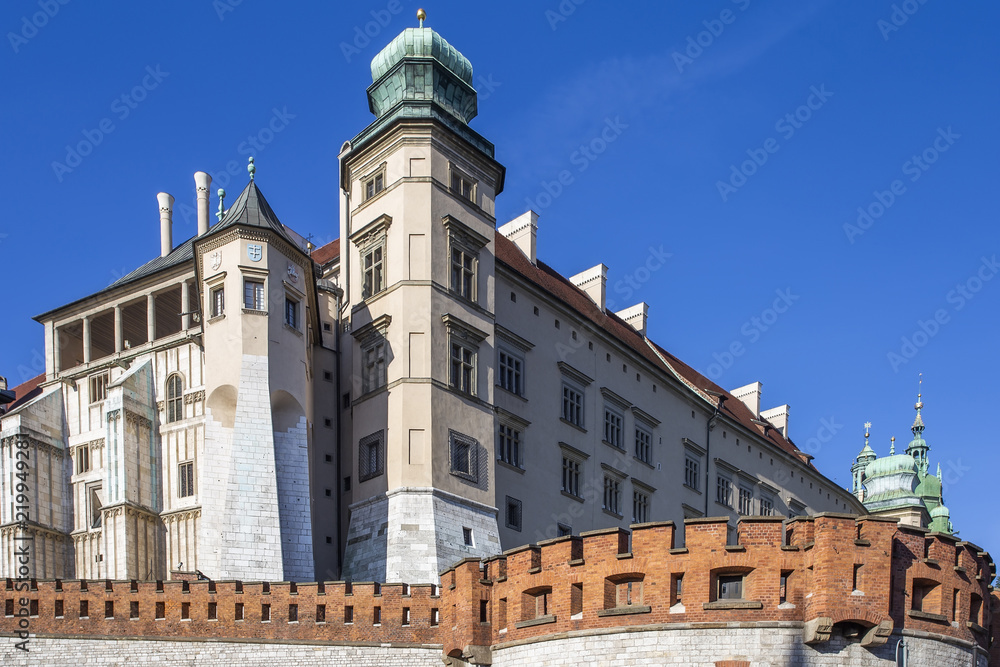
(929, 487)
(890, 465)
(421, 42)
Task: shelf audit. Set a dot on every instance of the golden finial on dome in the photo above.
(920, 385)
(421, 15)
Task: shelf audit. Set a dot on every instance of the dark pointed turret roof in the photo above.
(251, 210)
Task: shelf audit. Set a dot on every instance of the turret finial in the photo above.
(421, 15)
(868, 426)
(892, 447)
(222, 210)
(251, 169)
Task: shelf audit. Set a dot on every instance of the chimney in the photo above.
(593, 281)
(779, 417)
(201, 183)
(166, 221)
(523, 231)
(750, 395)
(635, 316)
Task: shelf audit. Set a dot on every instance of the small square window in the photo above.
(371, 456)
(374, 185)
(462, 185)
(464, 457)
(467, 537)
(730, 587)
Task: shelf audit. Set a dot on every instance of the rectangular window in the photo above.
(463, 273)
(691, 473)
(612, 428)
(730, 587)
(572, 405)
(265, 613)
(374, 185)
(678, 596)
(185, 476)
(293, 613)
(253, 294)
(218, 301)
(292, 312)
(372, 264)
(766, 507)
(374, 366)
(571, 476)
(640, 507)
(435, 616)
(463, 368)
(376, 615)
(109, 609)
(213, 611)
(511, 374)
(83, 459)
(463, 456)
(723, 491)
(238, 611)
(58, 611)
(84, 609)
(462, 185)
(612, 494)
(371, 456)
(348, 615)
(513, 515)
(467, 537)
(99, 386)
(746, 501)
(321, 613)
(509, 445)
(161, 611)
(643, 445)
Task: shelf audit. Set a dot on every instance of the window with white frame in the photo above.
(98, 384)
(95, 501)
(463, 367)
(745, 501)
(462, 184)
(464, 459)
(723, 491)
(640, 506)
(511, 372)
(371, 456)
(292, 312)
(374, 184)
(217, 299)
(372, 263)
(612, 494)
(612, 427)
(373, 361)
(463, 272)
(509, 444)
(643, 444)
(253, 294)
(571, 475)
(572, 404)
(691, 475)
(185, 479)
(175, 398)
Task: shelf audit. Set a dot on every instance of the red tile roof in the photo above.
(324, 254)
(26, 391)
(546, 278)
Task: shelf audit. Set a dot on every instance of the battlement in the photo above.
(859, 578)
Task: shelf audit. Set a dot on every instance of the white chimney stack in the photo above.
(594, 282)
(202, 181)
(523, 231)
(636, 316)
(750, 396)
(779, 417)
(166, 222)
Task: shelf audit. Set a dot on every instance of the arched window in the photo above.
(175, 398)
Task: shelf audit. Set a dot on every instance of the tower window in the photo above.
(253, 294)
(374, 277)
(463, 368)
(175, 398)
(464, 457)
(218, 301)
(371, 456)
(99, 387)
(292, 312)
(463, 185)
(463, 273)
(185, 475)
(374, 185)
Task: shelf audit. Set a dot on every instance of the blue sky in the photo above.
(834, 161)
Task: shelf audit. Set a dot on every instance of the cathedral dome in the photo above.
(929, 487)
(890, 465)
(421, 43)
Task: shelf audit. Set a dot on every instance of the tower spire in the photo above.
(918, 446)
(892, 446)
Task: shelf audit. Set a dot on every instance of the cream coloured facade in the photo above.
(422, 390)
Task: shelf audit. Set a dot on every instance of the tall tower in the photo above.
(417, 266)
(253, 479)
(918, 446)
(866, 456)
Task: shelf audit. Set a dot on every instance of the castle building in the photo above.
(422, 390)
(900, 485)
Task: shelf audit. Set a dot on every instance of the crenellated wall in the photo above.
(811, 591)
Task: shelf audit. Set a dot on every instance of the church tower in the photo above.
(417, 265)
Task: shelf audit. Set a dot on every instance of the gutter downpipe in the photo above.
(901, 644)
(709, 425)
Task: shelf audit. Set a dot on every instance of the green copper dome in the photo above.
(421, 42)
(929, 488)
(890, 465)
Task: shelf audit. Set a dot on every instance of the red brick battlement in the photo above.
(864, 576)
